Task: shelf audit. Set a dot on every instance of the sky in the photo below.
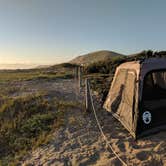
(55, 31)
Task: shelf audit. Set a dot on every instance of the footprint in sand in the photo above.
(142, 156)
(121, 146)
(133, 145)
(91, 160)
(115, 162)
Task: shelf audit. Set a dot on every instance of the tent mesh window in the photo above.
(115, 95)
(154, 91)
(121, 95)
(127, 98)
(129, 89)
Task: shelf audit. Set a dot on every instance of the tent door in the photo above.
(127, 103)
(153, 112)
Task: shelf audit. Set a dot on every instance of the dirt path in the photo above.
(79, 142)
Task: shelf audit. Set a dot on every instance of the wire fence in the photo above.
(101, 131)
(95, 80)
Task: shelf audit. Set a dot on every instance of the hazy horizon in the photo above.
(19, 66)
(28, 65)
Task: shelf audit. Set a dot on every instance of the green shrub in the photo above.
(26, 123)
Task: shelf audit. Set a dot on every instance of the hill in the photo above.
(94, 57)
(42, 66)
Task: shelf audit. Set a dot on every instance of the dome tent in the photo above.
(137, 96)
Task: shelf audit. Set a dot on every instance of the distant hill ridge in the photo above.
(97, 56)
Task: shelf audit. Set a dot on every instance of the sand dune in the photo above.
(79, 142)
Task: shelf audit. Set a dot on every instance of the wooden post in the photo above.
(79, 78)
(76, 73)
(75, 81)
(87, 96)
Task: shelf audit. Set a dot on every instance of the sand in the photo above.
(79, 142)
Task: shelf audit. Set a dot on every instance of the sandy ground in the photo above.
(79, 142)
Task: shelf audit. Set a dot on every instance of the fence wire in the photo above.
(100, 128)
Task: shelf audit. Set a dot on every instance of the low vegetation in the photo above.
(26, 123)
(64, 71)
(26, 75)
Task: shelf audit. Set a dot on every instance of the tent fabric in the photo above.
(121, 96)
(137, 96)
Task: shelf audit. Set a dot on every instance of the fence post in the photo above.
(79, 79)
(76, 73)
(75, 81)
(87, 96)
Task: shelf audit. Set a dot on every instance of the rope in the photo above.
(100, 128)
